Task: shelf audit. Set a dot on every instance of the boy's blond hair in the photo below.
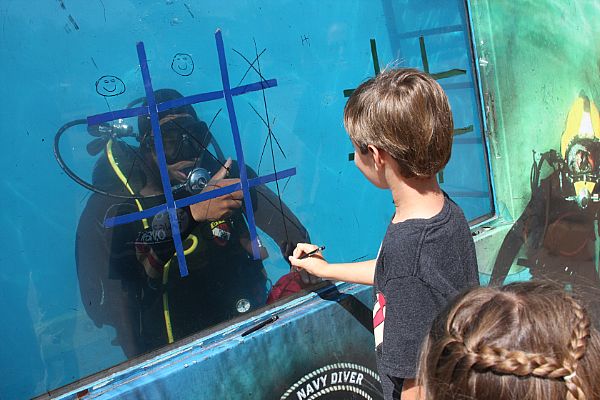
(406, 113)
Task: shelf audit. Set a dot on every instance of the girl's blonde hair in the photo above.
(527, 340)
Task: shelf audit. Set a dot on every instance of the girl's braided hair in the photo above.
(527, 340)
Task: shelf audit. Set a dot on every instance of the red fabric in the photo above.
(287, 285)
(379, 316)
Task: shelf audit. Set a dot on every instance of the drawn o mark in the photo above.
(182, 64)
(109, 86)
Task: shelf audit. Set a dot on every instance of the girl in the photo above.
(527, 340)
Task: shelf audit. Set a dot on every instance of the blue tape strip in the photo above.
(261, 180)
(124, 219)
(162, 161)
(238, 144)
(197, 198)
(111, 116)
(252, 87)
(184, 101)
(127, 218)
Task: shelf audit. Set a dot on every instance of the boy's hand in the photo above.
(314, 264)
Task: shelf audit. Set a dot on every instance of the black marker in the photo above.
(310, 253)
(261, 325)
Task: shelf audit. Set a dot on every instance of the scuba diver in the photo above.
(559, 226)
(128, 274)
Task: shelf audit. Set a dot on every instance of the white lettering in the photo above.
(338, 374)
(316, 384)
(324, 380)
(300, 394)
(309, 389)
(359, 379)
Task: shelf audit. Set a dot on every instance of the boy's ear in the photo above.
(377, 154)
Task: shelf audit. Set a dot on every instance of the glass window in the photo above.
(94, 268)
(546, 142)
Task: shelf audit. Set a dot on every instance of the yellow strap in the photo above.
(166, 312)
(166, 303)
(189, 250)
(119, 173)
(193, 245)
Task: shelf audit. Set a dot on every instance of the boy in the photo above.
(401, 127)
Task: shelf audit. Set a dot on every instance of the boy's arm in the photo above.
(410, 390)
(360, 272)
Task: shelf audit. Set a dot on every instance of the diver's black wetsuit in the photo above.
(116, 290)
(560, 241)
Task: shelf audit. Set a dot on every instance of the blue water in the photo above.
(54, 52)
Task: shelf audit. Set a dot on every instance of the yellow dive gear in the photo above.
(582, 130)
(583, 121)
(192, 239)
(122, 177)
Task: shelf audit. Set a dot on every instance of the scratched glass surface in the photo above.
(66, 61)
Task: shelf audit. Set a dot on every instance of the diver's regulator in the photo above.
(117, 129)
(197, 179)
(577, 187)
(583, 197)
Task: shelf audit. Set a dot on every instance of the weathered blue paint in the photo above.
(311, 332)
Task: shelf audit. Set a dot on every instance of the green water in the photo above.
(541, 55)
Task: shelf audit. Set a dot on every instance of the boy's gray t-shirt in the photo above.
(421, 266)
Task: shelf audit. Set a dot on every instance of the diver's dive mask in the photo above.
(580, 148)
(582, 170)
(183, 137)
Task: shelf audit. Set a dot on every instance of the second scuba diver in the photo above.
(559, 226)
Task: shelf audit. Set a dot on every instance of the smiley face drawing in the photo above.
(109, 86)
(182, 64)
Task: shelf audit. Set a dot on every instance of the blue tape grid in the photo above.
(153, 109)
